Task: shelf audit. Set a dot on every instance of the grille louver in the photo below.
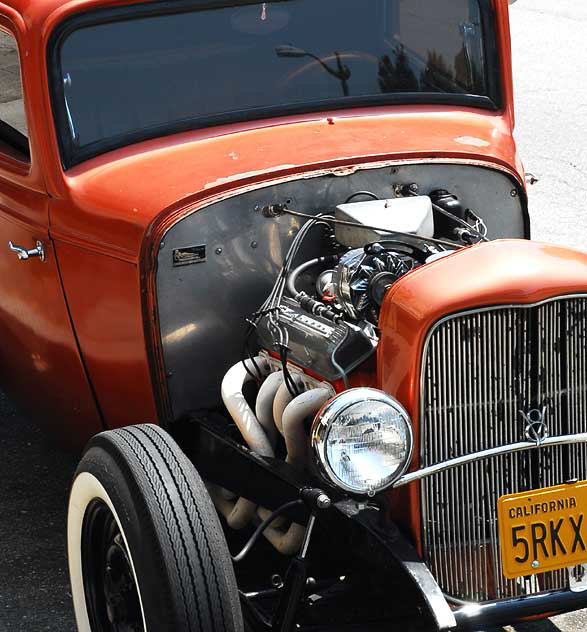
(480, 370)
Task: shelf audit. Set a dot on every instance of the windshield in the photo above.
(130, 73)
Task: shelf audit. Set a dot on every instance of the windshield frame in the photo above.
(72, 155)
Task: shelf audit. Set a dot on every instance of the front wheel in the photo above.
(146, 549)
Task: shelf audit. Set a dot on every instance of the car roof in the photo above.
(31, 7)
(39, 14)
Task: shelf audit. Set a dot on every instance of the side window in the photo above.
(13, 126)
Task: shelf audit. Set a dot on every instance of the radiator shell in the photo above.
(483, 372)
(503, 272)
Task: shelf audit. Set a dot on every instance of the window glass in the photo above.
(11, 99)
(121, 78)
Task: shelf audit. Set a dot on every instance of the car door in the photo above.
(40, 365)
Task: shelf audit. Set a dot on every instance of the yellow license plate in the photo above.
(543, 530)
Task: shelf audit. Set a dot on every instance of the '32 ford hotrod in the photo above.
(275, 256)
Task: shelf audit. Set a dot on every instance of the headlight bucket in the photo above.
(362, 440)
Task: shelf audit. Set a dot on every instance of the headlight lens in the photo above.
(363, 440)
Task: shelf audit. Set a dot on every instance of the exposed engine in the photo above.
(328, 323)
(321, 319)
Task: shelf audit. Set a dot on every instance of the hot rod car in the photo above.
(275, 258)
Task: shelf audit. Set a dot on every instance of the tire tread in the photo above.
(192, 545)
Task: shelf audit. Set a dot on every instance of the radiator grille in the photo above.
(480, 370)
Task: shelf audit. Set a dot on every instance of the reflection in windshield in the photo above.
(153, 72)
(399, 73)
(341, 72)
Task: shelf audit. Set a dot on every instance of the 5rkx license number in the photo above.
(543, 530)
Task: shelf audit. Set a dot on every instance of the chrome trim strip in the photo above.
(487, 454)
(504, 611)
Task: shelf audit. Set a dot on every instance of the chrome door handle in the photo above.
(24, 254)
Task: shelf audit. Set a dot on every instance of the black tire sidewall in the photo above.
(137, 525)
(142, 522)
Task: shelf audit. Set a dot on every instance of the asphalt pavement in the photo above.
(34, 483)
(550, 66)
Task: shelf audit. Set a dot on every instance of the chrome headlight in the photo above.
(363, 440)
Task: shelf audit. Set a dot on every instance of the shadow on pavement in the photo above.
(34, 484)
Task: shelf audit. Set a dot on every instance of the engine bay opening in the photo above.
(323, 251)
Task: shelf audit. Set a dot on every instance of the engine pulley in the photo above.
(364, 275)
